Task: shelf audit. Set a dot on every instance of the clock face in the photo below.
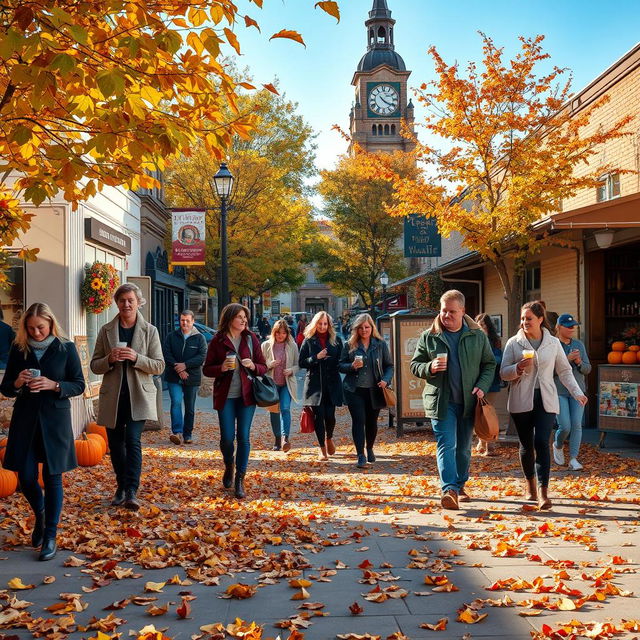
(383, 100)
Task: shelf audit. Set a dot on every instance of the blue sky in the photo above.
(586, 36)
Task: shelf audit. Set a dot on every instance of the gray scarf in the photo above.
(40, 347)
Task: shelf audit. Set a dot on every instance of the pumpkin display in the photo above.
(94, 427)
(3, 448)
(8, 483)
(98, 438)
(614, 357)
(629, 357)
(633, 347)
(618, 346)
(88, 451)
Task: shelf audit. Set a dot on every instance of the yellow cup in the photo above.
(527, 354)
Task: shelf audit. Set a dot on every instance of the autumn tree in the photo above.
(513, 151)
(269, 222)
(365, 240)
(97, 93)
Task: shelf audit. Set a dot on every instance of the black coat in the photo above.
(379, 358)
(191, 351)
(322, 375)
(50, 409)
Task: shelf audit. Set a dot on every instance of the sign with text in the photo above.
(107, 236)
(421, 237)
(188, 237)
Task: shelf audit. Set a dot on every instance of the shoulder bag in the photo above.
(265, 390)
(389, 394)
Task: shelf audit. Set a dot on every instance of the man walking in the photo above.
(455, 358)
(184, 352)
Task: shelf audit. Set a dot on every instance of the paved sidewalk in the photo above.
(346, 531)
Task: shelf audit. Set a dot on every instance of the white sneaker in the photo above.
(558, 455)
(574, 465)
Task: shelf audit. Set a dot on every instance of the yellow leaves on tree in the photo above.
(513, 149)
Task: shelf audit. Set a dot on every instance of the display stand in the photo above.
(618, 400)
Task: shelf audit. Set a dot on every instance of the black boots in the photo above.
(118, 498)
(130, 500)
(227, 476)
(278, 445)
(239, 488)
(37, 535)
(49, 548)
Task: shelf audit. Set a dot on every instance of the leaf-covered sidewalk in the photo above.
(319, 550)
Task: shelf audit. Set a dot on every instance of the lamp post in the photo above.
(223, 182)
(384, 281)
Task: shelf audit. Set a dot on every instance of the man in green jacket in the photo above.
(455, 358)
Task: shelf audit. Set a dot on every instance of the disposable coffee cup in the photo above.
(231, 360)
(527, 354)
(121, 345)
(35, 373)
(443, 357)
(358, 359)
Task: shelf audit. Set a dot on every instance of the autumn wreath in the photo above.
(100, 282)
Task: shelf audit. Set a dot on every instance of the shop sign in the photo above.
(266, 301)
(275, 307)
(188, 237)
(108, 236)
(394, 303)
(421, 237)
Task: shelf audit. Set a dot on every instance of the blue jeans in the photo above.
(179, 392)
(569, 424)
(235, 421)
(51, 502)
(453, 455)
(281, 422)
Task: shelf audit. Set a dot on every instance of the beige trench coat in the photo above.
(142, 390)
(291, 355)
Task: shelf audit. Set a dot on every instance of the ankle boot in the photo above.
(48, 549)
(37, 534)
(544, 502)
(278, 445)
(239, 488)
(323, 452)
(331, 447)
(530, 489)
(227, 476)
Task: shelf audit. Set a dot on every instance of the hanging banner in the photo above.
(266, 302)
(421, 237)
(188, 237)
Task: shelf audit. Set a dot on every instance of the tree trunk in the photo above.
(512, 289)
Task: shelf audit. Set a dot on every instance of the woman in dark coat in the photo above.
(320, 355)
(43, 372)
(232, 352)
(367, 363)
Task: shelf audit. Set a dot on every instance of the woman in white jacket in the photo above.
(530, 360)
(281, 355)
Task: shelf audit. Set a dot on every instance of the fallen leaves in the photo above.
(441, 625)
(239, 591)
(17, 584)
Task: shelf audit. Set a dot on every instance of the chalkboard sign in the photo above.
(421, 237)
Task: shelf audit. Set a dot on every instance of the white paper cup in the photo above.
(35, 373)
(527, 354)
(358, 359)
(443, 358)
(121, 345)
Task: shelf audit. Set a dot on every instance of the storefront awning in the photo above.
(617, 213)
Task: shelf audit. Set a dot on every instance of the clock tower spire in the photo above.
(380, 82)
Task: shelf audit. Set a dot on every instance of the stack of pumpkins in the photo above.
(90, 450)
(621, 354)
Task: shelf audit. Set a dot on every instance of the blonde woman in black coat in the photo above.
(43, 372)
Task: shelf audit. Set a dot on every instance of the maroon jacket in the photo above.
(219, 346)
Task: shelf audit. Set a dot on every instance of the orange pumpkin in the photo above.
(618, 346)
(98, 438)
(94, 427)
(629, 357)
(3, 448)
(634, 347)
(88, 452)
(8, 483)
(614, 357)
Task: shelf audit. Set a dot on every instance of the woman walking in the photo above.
(43, 372)
(571, 411)
(367, 363)
(232, 352)
(320, 355)
(531, 358)
(486, 324)
(128, 354)
(281, 356)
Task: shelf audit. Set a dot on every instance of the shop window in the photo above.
(532, 280)
(12, 298)
(608, 187)
(374, 130)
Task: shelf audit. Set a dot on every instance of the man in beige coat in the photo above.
(128, 354)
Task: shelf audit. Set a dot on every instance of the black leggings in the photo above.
(534, 430)
(364, 418)
(324, 418)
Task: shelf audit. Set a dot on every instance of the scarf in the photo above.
(322, 338)
(40, 347)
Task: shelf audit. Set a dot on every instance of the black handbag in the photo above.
(265, 390)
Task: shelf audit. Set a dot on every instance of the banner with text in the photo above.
(188, 237)
(421, 237)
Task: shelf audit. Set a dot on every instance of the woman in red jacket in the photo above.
(232, 351)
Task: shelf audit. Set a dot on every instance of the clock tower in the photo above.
(380, 81)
